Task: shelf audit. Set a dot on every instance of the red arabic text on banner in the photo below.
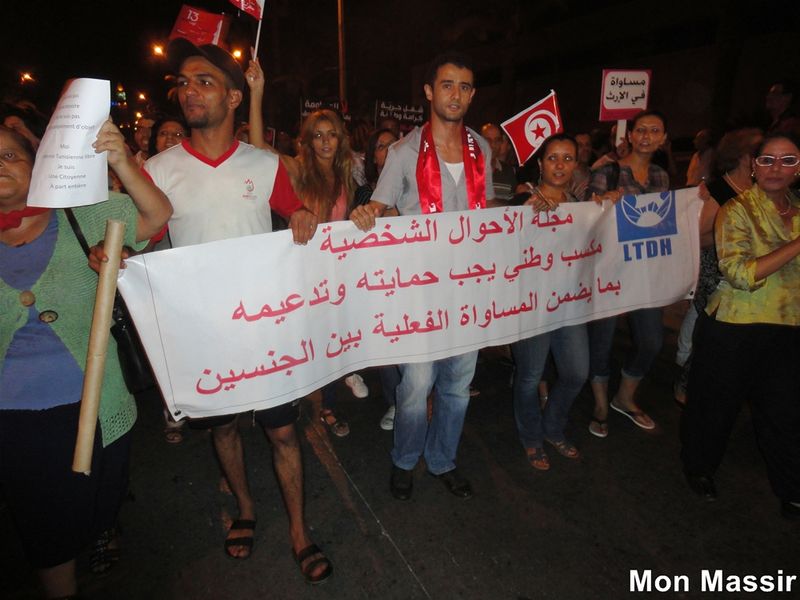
(254, 8)
(624, 93)
(529, 128)
(200, 27)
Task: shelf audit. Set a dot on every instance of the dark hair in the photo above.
(33, 119)
(459, 59)
(647, 113)
(777, 135)
(23, 142)
(151, 144)
(556, 137)
(370, 168)
(734, 145)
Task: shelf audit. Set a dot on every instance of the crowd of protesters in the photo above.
(744, 319)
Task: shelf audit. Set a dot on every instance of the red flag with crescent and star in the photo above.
(529, 128)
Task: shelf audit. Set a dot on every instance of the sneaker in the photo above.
(387, 422)
(357, 385)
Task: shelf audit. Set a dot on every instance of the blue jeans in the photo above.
(437, 440)
(570, 348)
(647, 331)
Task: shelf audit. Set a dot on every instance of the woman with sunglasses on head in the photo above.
(747, 345)
(635, 173)
(569, 345)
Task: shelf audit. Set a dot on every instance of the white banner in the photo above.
(253, 322)
(67, 171)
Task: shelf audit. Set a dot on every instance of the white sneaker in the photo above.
(387, 422)
(357, 385)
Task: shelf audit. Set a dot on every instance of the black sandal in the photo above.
(308, 569)
(103, 557)
(245, 541)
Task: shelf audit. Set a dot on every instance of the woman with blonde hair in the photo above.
(323, 181)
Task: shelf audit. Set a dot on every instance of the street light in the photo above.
(237, 54)
(158, 50)
(142, 96)
(26, 78)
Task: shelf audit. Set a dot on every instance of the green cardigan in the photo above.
(68, 286)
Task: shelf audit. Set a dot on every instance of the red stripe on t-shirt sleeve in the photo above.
(283, 200)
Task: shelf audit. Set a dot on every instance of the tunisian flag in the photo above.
(533, 126)
(199, 26)
(254, 8)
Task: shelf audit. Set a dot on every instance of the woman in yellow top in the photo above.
(748, 341)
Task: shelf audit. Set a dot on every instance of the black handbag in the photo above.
(136, 370)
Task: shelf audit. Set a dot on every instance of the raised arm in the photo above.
(153, 206)
(255, 79)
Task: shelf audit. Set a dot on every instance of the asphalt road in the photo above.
(574, 532)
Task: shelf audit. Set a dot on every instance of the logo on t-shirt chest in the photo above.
(249, 188)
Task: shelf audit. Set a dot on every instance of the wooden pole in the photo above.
(98, 347)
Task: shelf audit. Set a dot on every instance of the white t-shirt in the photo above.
(223, 198)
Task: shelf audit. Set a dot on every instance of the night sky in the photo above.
(549, 43)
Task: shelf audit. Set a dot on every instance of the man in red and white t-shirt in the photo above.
(221, 188)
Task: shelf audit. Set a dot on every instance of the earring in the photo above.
(752, 174)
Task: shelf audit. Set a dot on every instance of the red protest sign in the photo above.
(529, 128)
(200, 26)
(624, 93)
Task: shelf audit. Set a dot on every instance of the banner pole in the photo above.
(258, 38)
(622, 124)
(98, 347)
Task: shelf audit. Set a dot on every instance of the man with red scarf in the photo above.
(443, 166)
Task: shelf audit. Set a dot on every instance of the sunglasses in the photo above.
(767, 160)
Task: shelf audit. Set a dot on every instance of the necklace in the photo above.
(733, 185)
(788, 208)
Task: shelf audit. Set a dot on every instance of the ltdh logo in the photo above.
(644, 221)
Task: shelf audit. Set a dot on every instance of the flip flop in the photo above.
(632, 415)
(601, 430)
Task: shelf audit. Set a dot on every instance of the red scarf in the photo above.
(13, 219)
(429, 176)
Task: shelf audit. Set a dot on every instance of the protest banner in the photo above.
(528, 129)
(200, 26)
(67, 171)
(309, 105)
(408, 116)
(623, 94)
(256, 321)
